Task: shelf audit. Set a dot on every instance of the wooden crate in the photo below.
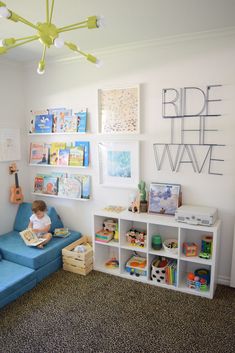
(81, 263)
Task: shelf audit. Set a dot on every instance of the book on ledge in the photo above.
(30, 238)
(61, 232)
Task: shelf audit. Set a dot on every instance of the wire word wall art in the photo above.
(190, 111)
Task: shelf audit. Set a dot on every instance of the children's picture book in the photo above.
(31, 238)
(61, 232)
(43, 123)
(33, 116)
(54, 152)
(56, 114)
(70, 124)
(39, 153)
(38, 183)
(50, 185)
(86, 151)
(163, 198)
(85, 181)
(64, 156)
(86, 186)
(60, 121)
(81, 121)
(70, 187)
(76, 156)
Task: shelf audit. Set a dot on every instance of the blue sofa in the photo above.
(22, 267)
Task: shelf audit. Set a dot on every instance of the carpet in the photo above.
(100, 313)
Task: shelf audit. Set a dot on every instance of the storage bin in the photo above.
(158, 270)
(78, 262)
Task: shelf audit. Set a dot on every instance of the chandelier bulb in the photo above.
(100, 22)
(99, 63)
(4, 12)
(40, 72)
(59, 43)
(41, 67)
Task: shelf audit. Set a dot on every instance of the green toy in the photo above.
(142, 190)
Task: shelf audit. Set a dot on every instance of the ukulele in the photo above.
(16, 195)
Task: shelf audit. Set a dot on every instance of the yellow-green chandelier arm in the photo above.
(42, 64)
(60, 30)
(44, 53)
(52, 8)
(3, 50)
(90, 23)
(10, 43)
(26, 22)
(24, 42)
(47, 11)
(24, 38)
(74, 47)
(15, 18)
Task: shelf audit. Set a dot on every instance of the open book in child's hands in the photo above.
(30, 238)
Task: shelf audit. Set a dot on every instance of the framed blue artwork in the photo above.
(119, 164)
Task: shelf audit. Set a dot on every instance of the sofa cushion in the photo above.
(13, 296)
(48, 269)
(14, 249)
(25, 211)
(13, 277)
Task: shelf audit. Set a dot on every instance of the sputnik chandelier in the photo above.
(47, 33)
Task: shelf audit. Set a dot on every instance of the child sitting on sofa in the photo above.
(40, 222)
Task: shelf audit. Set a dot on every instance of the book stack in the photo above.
(104, 236)
(59, 120)
(61, 232)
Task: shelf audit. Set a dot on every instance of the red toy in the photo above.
(190, 249)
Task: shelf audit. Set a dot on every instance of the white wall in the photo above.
(11, 116)
(196, 62)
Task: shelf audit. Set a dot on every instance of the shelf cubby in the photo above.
(104, 254)
(187, 267)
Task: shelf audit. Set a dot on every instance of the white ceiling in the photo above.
(127, 21)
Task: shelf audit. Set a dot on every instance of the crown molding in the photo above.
(157, 42)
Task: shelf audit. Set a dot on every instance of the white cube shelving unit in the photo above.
(168, 228)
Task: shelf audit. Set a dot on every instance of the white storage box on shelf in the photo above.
(168, 228)
(199, 215)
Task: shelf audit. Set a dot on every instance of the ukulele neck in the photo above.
(16, 180)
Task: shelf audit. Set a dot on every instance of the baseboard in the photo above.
(224, 280)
